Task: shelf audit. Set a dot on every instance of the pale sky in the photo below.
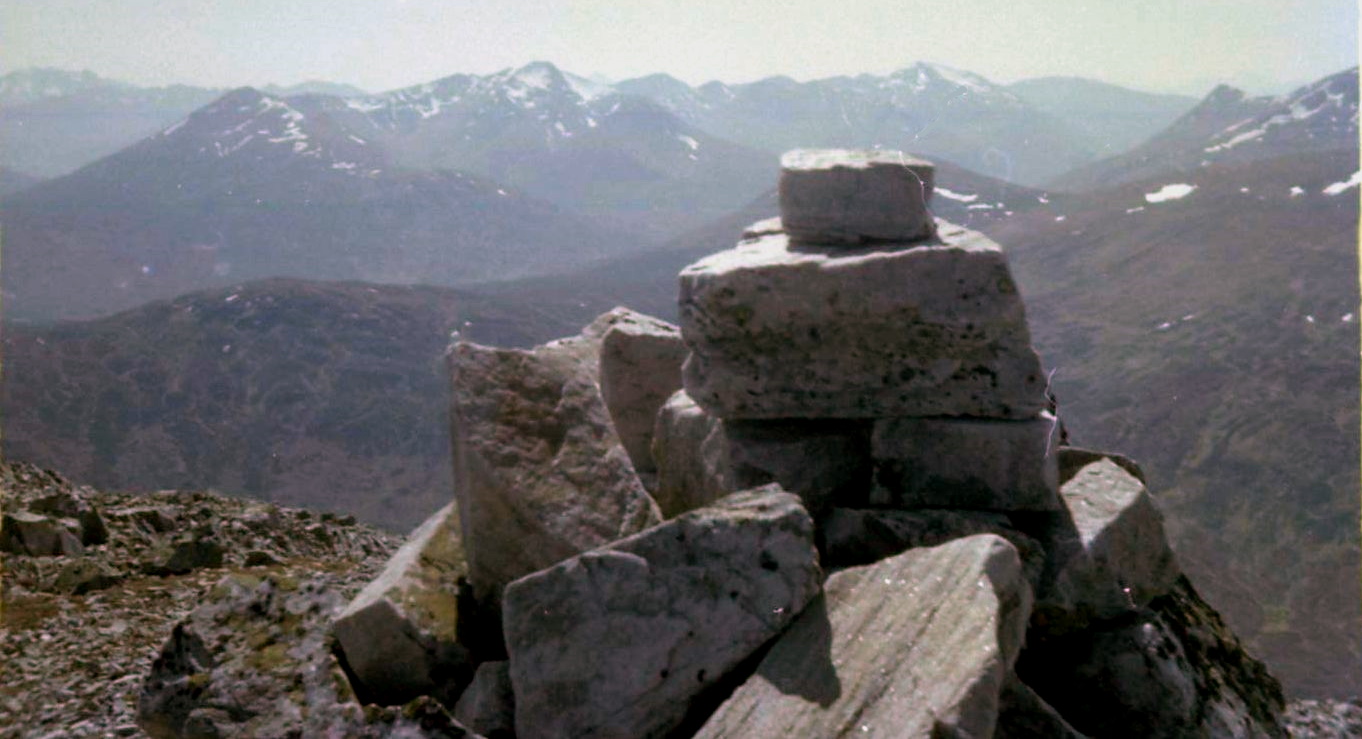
(1264, 46)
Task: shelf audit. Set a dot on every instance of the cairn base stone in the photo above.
(618, 641)
(836, 196)
(967, 463)
(918, 645)
(690, 450)
(778, 330)
(641, 360)
(825, 462)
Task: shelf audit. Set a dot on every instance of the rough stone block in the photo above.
(400, 633)
(539, 472)
(918, 645)
(979, 464)
(782, 331)
(38, 536)
(825, 462)
(617, 642)
(641, 360)
(839, 196)
(487, 705)
(691, 455)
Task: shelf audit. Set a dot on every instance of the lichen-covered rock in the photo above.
(1119, 558)
(979, 464)
(27, 533)
(918, 645)
(539, 472)
(690, 451)
(254, 661)
(487, 705)
(778, 330)
(854, 537)
(641, 360)
(1172, 669)
(399, 636)
(618, 641)
(185, 555)
(84, 575)
(837, 196)
(825, 462)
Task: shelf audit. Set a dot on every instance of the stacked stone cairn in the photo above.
(833, 503)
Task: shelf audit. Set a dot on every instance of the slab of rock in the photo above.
(918, 645)
(72, 504)
(782, 331)
(978, 464)
(253, 661)
(1122, 559)
(399, 636)
(184, 556)
(1170, 670)
(618, 641)
(1024, 715)
(539, 472)
(854, 537)
(1073, 458)
(825, 462)
(839, 196)
(22, 532)
(487, 705)
(641, 360)
(690, 452)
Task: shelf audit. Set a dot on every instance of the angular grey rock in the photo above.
(539, 472)
(84, 575)
(184, 556)
(399, 635)
(1170, 670)
(68, 503)
(1123, 559)
(487, 705)
(918, 645)
(825, 462)
(855, 537)
(22, 532)
(253, 661)
(690, 451)
(1073, 458)
(782, 331)
(979, 464)
(616, 642)
(839, 196)
(641, 360)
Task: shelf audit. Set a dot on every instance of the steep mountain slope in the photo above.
(1206, 323)
(256, 186)
(1115, 117)
(52, 121)
(927, 108)
(327, 395)
(571, 141)
(13, 181)
(1228, 127)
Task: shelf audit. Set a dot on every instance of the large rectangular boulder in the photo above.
(618, 641)
(825, 462)
(399, 635)
(917, 645)
(839, 196)
(539, 472)
(778, 330)
(972, 463)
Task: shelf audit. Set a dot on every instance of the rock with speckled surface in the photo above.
(841, 196)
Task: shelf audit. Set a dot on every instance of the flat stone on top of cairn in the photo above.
(839, 196)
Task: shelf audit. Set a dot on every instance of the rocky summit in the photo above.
(851, 515)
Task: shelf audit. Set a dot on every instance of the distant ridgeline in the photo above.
(834, 502)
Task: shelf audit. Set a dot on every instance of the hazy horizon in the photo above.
(1160, 46)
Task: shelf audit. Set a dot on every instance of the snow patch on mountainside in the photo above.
(1170, 192)
(1338, 188)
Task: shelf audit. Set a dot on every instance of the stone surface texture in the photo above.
(487, 705)
(641, 359)
(778, 330)
(1011, 465)
(1074, 458)
(690, 450)
(24, 532)
(918, 645)
(399, 636)
(539, 472)
(1124, 559)
(617, 642)
(825, 462)
(837, 196)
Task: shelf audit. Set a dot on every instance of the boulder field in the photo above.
(833, 502)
